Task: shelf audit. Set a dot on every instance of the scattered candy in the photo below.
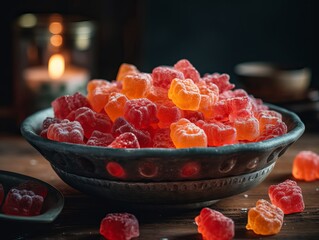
(306, 166)
(143, 103)
(287, 196)
(119, 226)
(213, 225)
(265, 218)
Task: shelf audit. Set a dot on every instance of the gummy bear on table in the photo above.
(170, 107)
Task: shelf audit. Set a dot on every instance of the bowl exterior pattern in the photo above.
(84, 167)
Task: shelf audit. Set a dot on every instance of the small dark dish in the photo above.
(155, 176)
(52, 206)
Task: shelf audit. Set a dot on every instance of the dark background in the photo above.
(214, 35)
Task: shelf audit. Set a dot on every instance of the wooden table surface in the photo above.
(81, 215)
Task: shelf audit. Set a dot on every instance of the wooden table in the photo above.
(81, 215)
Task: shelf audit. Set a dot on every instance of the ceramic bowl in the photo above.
(274, 82)
(186, 176)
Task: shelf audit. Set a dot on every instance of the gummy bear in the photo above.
(66, 131)
(218, 134)
(221, 80)
(265, 218)
(121, 125)
(162, 139)
(62, 106)
(187, 69)
(306, 166)
(167, 113)
(185, 94)
(214, 225)
(125, 69)
(247, 128)
(99, 92)
(209, 96)
(114, 107)
(119, 226)
(140, 112)
(91, 120)
(136, 85)
(287, 196)
(163, 76)
(185, 134)
(100, 139)
(22, 203)
(46, 123)
(125, 140)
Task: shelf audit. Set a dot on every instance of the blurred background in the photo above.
(214, 35)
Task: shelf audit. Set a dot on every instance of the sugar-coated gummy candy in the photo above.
(306, 166)
(121, 125)
(63, 105)
(91, 121)
(163, 76)
(162, 139)
(99, 91)
(119, 226)
(214, 225)
(247, 128)
(185, 94)
(125, 140)
(140, 112)
(46, 123)
(66, 131)
(218, 133)
(287, 196)
(22, 203)
(186, 134)
(167, 113)
(125, 69)
(98, 138)
(220, 80)
(136, 85)
(187, 69)
(265, 218)
(209, 96)
(114, 107)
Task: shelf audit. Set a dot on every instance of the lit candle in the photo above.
(56, 75)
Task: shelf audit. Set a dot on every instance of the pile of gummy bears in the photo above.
(171, 107)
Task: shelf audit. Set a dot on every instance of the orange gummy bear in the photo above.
(115, 105)
(265, 218)
(136, 85)
(185, 94)
(125, 69)
(306, 166)
(185, 134)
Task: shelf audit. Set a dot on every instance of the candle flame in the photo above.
(56, 66)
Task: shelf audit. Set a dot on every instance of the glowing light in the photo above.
(56, 66)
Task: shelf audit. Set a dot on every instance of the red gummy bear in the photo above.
(213, 225)
(140, 112)
(66, 131)
(100, 139)
(287, 196)
(119, 226)
(125, 140)
(36, 187)
(46, 124)
(121, 125)
(22, 203)
(62, 106)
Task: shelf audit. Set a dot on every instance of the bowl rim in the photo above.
(28, 130)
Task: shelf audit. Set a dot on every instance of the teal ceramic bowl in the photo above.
(163, 176)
